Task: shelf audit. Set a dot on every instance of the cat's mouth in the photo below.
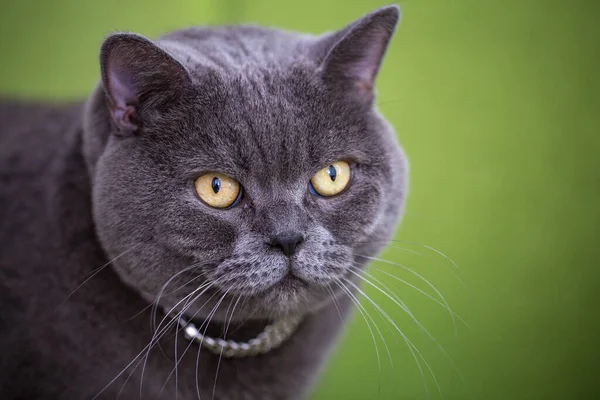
(285, 295)
(291, 282)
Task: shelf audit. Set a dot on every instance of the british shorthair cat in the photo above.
(194, 228)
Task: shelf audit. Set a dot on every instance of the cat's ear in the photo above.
(350, 58)
(138, 75)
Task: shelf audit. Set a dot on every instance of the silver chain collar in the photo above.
(270, 338)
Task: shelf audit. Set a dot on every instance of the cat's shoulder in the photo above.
(32, 135)
(34, 127)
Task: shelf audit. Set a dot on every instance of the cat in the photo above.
(193, 229)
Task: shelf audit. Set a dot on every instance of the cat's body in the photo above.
(60, 338)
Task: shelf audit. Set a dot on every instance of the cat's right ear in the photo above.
(350, 58)
(137, 75)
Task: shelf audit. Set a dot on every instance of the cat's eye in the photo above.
(218, 190)
(331, 180)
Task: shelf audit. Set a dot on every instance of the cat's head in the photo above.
(243, 163)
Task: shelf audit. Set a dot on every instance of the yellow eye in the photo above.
(218, 190)
(332, 179)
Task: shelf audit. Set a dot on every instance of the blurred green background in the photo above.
(497, 105)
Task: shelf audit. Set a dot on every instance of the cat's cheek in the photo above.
(351, 219)
(248, 273)
(323, 267)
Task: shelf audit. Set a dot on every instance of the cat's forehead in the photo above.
(262, 108)
(277, 123)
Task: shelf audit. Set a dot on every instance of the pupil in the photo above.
(332, 172)
(216, 185)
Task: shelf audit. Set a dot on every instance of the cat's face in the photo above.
(281, 247)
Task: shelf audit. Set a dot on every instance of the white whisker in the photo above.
(413, 349)
(436, 262)
(334, 300)
(418, 276)
(224, 338)
(148, 348)
(204, 287)
(164, 287)
(159, 332)
(177, 330)
(403, 306)
(207, 321)
(96, 272)
(429, 248)
(423, 293)
(363, 313)
(155, 302)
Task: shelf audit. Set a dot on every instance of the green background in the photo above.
(497, 105)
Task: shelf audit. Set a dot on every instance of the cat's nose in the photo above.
(287, 242)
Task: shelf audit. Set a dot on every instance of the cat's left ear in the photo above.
(138, 76)
(351, 57)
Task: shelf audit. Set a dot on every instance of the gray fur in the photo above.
(112, 179)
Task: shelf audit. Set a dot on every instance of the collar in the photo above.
(271, 337)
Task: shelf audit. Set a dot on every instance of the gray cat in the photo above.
(193, 229)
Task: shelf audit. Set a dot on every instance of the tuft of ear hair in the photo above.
(352, 56)
(137, 74)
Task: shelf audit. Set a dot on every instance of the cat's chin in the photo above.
(290, 284)
(289, 297)
(290, 290)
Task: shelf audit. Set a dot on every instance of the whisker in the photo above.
(418, 276)
(403, 306)
(176, 342)
(399, 299)
(204, 288)
(362, 311)
(177, 330)
(186, 298)
(191, 342)
(123, 370)
(160, 332)
(392, 292)
(137, 314)
(175, 321)
(96, 272)
(412, 348)
(375, 325)
(163, 288)
(224, 338)
(184, 285)
(436, 262)
(209, 318)
(423, 293)
(245, 319)
(171, 292)
(447, 258)
(356, 271)
(428, 248)
(334, 300)
(157, 335)
(384, 103)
